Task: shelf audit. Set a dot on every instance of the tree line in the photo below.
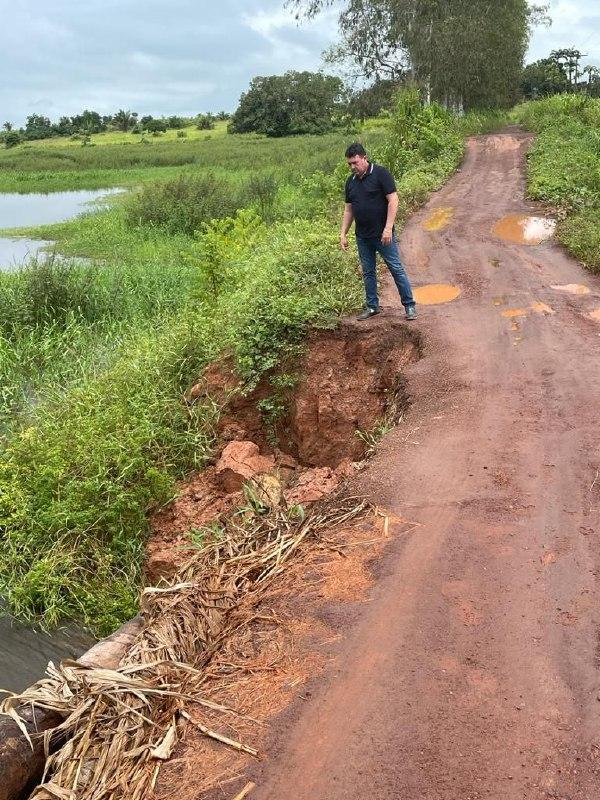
(561, 71)
(38, 126)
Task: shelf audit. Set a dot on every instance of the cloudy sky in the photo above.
(184, 56)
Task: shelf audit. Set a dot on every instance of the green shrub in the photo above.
(77, 482)
(564, 167)
(181, 205)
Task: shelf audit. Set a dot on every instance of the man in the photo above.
(372, 203)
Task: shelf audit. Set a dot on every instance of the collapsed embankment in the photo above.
(349, 389)
(350, 386)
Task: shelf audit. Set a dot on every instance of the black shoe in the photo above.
(411, 312)
(368, 312)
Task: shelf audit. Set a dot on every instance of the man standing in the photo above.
(372, 203)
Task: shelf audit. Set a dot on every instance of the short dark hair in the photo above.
(355, 149)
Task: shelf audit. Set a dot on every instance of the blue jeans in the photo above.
(367, 251)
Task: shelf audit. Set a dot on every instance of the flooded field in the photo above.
(24, 210)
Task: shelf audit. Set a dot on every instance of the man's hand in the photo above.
(343, 241)
(386, 236)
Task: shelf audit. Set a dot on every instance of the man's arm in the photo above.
(347, 221)
(392, 198)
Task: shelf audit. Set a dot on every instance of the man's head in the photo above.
(356, 156)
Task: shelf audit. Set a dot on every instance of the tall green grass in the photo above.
(564, 167)
(45, 167)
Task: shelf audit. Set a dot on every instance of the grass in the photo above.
(52, 166)
(564, 168)
(94, 430)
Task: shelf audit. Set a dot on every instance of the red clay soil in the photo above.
(473, 672)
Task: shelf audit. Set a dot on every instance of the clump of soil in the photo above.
(351, 378)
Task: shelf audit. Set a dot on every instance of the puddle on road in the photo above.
(541, 308)
(537, 307)
(495, 262)
(438, 219)
(595, 315)
(524, 229)
(434, 294)
(500, 301)
(515, 312)
(572, 288)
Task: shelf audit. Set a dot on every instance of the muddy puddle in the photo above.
(572, 288)
(438, 219)
(537, 307)
(524, 229)
(436, 293)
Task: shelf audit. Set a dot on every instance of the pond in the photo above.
(25, 210)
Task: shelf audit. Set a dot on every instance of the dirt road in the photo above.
(474, 670)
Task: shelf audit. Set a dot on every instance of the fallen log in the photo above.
(21, 766)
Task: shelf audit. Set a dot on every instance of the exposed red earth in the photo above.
(473, 672)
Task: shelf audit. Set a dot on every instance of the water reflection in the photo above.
(25, 210)
(28, 210)
(25, 652)
(13, 252)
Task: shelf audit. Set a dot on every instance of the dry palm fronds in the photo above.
(120, 725)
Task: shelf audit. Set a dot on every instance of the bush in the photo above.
(181, 205)
(205, 122)
(12, 139)
(260, 192)
(77, 482)
(563, 167)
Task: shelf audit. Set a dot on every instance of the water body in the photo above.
(25, 210)
(25, 652)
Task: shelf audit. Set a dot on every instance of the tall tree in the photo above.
(282, 105)
(465, 53)
(543, 77)
(568, 59)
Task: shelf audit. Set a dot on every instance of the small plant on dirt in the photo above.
(219, 247)
(371, 438)
(274, 407)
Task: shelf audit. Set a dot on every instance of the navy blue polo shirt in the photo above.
(368, 196)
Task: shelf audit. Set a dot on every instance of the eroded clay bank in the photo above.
(350, 379)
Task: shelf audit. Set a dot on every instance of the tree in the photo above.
(7, 126)
(124, 120)
(88, 122)
(543, 77)
(175, 122)
(465, 53)
(568, 60)
(38, 127)
(373, 99)
(205, 122)
(294, 103)
(593, 83)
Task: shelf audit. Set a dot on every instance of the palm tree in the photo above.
(124, 120)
